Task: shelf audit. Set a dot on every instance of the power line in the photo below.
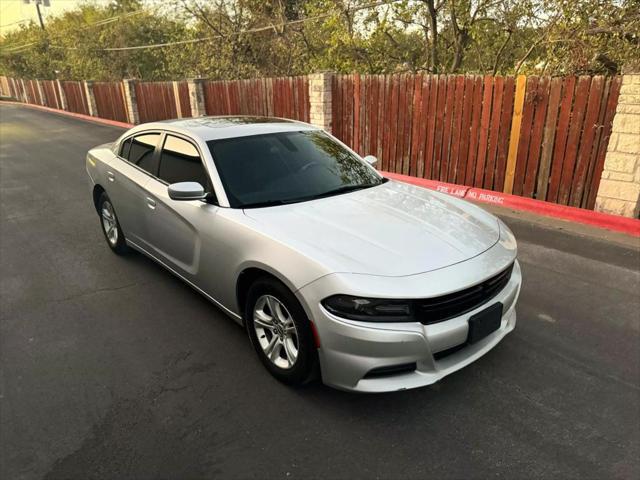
(99, 23)
(242, 32)
(15, 23)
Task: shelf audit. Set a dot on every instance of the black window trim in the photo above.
(158, 151)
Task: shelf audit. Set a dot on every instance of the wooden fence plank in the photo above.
(415, 125)
(526, 124)
(535, 143)
(494, 132)
(465, 134)
(373, 115)
(474, 130)
(548, 138)
(456, 127)
(355, 143)
(612, 102)
(515, 133)
(407, 119)
(446, 134)
(430, 133)
(336, 106)
(393, 122)
(589, 131)
(562, 132)
(381, 120)
(439, 127)
(573, 139)
(422, 123)
(504, 135)
(606, 89)
(483, 135)
(385, 120)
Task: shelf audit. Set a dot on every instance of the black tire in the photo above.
(305, 367)
(119, 246)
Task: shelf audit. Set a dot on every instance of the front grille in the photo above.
(438, 309)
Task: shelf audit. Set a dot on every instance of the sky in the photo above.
(12, 11)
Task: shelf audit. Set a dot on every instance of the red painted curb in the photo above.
(80, 116)
(626, 225)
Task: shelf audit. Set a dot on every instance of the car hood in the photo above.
(394, 229)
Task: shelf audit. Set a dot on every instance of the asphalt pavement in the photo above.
(113, 369)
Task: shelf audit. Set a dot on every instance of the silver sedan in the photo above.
(332, 269)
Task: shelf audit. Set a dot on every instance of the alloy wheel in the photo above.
(109, 223)
(276, 331)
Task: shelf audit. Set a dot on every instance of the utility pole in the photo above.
(37, 3)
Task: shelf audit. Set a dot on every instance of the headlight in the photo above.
(369, 309)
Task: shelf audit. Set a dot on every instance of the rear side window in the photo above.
(139, 151)
(181, 162)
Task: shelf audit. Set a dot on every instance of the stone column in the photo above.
(91, 99)
(63, 97)
(320, 100)
(619, 190)
(130, 100)
(196, 97)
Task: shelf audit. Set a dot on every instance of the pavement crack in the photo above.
(98, 291)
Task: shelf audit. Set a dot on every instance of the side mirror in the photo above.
(371, 160)
(186, 191)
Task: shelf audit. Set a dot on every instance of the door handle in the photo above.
(151, 203)
(111, 176)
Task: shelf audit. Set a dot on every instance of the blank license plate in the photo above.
(485, 322)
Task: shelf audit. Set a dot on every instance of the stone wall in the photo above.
(619, 191)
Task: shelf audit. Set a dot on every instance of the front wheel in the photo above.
(280, 332)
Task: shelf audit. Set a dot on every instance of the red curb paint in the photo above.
(80, 116)
(626, 225)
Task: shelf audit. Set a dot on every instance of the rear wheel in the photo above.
(280, 332)
(110, 225)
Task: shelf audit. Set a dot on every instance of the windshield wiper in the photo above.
(344, 189)
(266, 203)
(330, 193)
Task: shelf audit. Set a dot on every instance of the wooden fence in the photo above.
(110, 101)
(76, 97)
(537, 137)
(286, 97)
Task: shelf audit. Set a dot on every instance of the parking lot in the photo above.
(113, 368)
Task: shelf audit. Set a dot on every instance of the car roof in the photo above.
(218, 127)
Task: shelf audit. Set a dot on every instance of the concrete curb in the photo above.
(80, 116)
(630, 226)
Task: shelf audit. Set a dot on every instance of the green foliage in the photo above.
(251, 38)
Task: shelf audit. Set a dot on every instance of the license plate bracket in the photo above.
(485, 322)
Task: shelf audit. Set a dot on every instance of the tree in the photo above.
(226, 39)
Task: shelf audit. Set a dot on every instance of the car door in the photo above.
(175, 226)
(127, 178)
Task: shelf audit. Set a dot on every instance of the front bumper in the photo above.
(349, 350)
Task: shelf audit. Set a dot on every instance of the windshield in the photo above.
(287, 167)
